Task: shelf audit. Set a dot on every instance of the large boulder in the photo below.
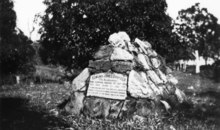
(139, 87)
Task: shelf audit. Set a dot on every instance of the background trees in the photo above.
(72, 29)
(198, 30)
(15, 48)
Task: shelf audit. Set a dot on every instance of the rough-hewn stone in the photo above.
(99, 107)
(128, 108)
(115, 108)
(100, 65)
(166, 105)
(155, 62)
(144, 45)
(154, 87)
(161, 75)
(142, 60)
(116, 41)
(151, 52)
(75, 104)
(171, 79)
(96, 107)
(104, 52)
(180, 95)
(154, 77)
(79, 83)
(120, 39)
(145, 107)
(124, 36)
(141, 45)
(165, 69)
(121, 66)
(138, 86)
(171, 88)
(121, 54)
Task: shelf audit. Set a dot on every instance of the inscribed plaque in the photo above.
(108, 85)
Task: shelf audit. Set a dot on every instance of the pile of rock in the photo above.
(124, 78)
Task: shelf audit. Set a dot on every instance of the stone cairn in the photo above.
(124, 79)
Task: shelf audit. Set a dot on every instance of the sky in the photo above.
(26, 10)
(176, 5)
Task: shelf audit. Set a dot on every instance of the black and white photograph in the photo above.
(109, 64)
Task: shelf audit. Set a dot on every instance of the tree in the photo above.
(197, 29)
(15, 48)
(72, 29)
(216, 43)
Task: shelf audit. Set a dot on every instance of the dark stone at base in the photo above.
(100, 107)
(96, 107)
(104, 52)
(107, 108)
(121, 66)
(145, 107)
(129, 108)
(94, 71)
(171, 88)
(173, 101)
(100, 65)
(75, 103)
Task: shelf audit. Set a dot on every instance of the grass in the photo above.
(30, 107)
(25, 107)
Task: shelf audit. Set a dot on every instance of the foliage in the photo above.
(16, 51)
(178, 48)
(198, 30)
(72, 30)
(216, 42)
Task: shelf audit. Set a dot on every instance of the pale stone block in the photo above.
(138, 86)
(79, 83)
(154, 77)
(121, 54)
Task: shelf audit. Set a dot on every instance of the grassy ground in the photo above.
(25, 107)
(30, 107)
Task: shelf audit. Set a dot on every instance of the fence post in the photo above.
(17, 79)
(197, 62)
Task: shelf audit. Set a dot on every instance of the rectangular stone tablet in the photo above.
(108, 85)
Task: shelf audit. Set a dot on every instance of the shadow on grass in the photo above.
(207, 107)
(16, 114)
(214, 97)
